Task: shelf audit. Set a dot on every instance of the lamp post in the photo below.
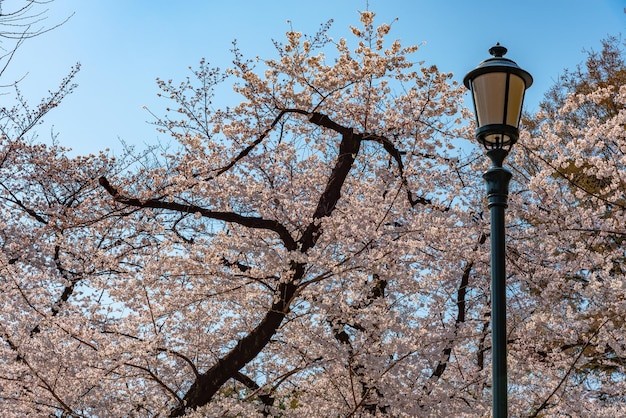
(498, 86)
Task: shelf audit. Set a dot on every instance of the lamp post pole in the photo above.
(498, 86)
(497, 180)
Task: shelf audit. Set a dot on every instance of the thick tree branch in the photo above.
(324, 121)
(247, 221)
(460, 318)
(339, 331)
(461, 306)
(208, 383)
(266, 398)
(348, 150)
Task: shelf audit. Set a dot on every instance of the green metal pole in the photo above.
(497, 179)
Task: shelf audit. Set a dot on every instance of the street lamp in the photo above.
(498, 86)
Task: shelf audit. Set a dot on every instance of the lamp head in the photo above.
(498, 85)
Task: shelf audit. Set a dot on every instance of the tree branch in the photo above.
(461, 304)
(396, 154)
(156, 379)
(460, 318)
(257, 141)
(207, 384)
(348, 150)
(545, 403)
(247, 221)
(266, 398)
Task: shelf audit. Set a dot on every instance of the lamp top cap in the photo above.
(497, 63)
(498, 51)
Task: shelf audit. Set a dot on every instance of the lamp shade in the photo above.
(498, 85)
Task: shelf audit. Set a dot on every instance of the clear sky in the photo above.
(124, 45)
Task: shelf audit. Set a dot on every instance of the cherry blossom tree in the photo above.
(571, 209)
(317, 249)
(45, 204)
(286, 220)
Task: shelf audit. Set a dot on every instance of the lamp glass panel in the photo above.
(489, 91)
(516, 97)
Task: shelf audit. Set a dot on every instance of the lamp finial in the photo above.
(498, 51)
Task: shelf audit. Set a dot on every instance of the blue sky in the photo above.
(124, 45)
